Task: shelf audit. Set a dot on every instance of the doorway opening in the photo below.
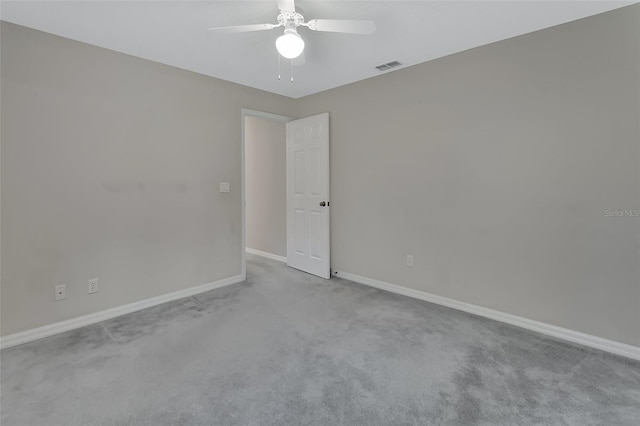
(264, 185)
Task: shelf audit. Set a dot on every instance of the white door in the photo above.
(308, 195)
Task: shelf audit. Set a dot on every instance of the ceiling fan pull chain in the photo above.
(278, 65)
(292, 70)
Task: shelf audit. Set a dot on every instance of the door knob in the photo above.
(322, 204)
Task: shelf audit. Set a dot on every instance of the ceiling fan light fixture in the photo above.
(290, 45)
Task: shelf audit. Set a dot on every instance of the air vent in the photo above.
(388, 65)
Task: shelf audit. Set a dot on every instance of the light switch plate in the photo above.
(224, 186)
(410, 260)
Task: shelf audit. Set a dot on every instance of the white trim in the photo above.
(267, 255)
(589, 340)
(71, 324)
(267, 115)
(243, 238)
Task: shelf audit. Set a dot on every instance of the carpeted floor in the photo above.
(286, 348)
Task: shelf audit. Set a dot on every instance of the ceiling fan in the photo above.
(290, 45)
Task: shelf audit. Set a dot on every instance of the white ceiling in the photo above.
(175, 33)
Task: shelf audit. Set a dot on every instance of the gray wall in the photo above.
(110, 169)
(494, 168)
(265, 180)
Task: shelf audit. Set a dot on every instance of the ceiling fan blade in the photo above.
(244, 28)
(287, 5)
(342, 26)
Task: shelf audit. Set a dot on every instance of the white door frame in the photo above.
(244, 112)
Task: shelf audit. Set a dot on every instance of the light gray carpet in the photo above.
(286, 348)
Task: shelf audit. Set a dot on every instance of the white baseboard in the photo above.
(71, 324)
(622, 349)
(267, 255)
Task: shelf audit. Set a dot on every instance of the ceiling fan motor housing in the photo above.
(290, 20)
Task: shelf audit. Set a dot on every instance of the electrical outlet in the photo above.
(410, 261)
(60, 292)
(224, 186)
(93, 286)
